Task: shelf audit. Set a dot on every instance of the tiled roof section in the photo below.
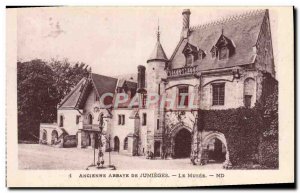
(131, 85)
(242, 30)
(71, 99)
(104, 84)
(158, 53)
(76, 98)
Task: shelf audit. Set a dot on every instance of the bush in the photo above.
(241, 129)
(251, 134)
(70, 141)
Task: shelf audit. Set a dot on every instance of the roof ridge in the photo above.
(104, 76)
(229, 18)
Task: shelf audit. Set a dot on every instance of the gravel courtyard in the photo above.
(36, 156)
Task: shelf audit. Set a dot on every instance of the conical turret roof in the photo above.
(158, 52)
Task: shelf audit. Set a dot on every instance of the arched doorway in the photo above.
(157, 148)
(125, 145)
(215, 149)
(183, 141)
(116, 144)
(44, 136)
(54, 137)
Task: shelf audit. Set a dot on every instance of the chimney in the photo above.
(186, 23)
(141, 77)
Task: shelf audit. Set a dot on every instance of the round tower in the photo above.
(156, 67)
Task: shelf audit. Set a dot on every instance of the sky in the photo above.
(110, 40)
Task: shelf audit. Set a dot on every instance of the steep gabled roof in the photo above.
(242, 30)
(72, 98)
(102, 84)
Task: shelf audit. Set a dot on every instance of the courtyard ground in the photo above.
(36, 156)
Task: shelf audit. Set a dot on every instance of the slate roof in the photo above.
(102, 84)
(158, 53)
(242, 30)
(71, 99)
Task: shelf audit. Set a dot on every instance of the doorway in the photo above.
(157, 149)
(183, 141)
(216, 151)
(116, 144)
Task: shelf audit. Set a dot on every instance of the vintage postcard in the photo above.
(149, 96)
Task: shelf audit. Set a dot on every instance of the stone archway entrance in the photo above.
(54, 137)
(182, 143)
(214, 149)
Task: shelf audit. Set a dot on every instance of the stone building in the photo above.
(220, 64)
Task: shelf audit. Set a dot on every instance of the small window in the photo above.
(90, 119)
(121, 119)
(247, 101)
(77, 119)
(249, 91)
(157, 124)
(189, 60)
(61, 121)
(214, 52)
(144, 99)
(144, 121)
(218, 94)
(183, 93)
(223, 53)
(125, 143)
(96, 97)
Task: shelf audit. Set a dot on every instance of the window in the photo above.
(144, 121)
(247, 101)
(125, 143)
(218, 94)
(144, 99)
(183, 95)
(214, 52)
(121, 119)
(223, 53)
(96, 97)
(90, 119)
(249, 88)
(189, 60)
(61, 121)
(157, 124)
(77, 119)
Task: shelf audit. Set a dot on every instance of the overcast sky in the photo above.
(111, 40)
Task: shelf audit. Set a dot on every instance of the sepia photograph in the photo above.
(190, 90)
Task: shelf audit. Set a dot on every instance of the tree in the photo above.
(66, 75)
(34, 80)
(41, 86)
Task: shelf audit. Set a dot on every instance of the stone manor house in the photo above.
(220, 62)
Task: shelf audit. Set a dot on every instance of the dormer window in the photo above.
(189, 60)
(223, 53)
(223, 49)
(214, 52)
(191, 54)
